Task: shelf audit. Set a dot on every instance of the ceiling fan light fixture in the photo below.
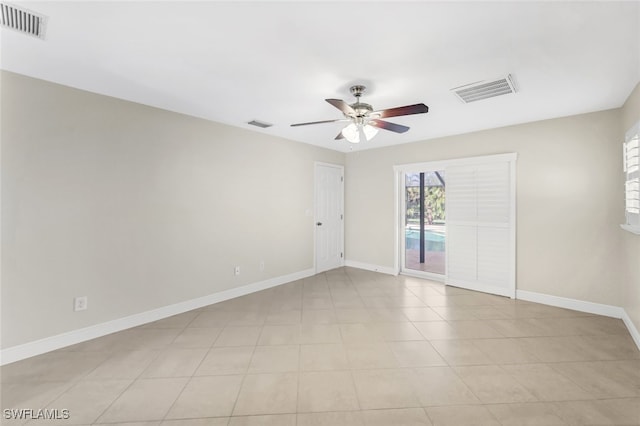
(369, 131)
(354, 133)
(351, 133)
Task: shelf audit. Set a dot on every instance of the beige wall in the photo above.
(140, 208)
(631, 242)
(569, 202)
(137, 208)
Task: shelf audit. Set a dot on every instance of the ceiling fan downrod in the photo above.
(362, 110)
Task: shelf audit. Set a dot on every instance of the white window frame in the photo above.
(631, 167)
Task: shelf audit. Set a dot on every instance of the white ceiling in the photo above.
(233, 62)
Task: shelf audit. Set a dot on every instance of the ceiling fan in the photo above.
(364, 121)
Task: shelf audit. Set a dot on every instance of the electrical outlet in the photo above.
(261, 265)
(236, 271)
(80, 303)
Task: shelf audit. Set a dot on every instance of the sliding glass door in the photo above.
(424, 224)
(456, 222)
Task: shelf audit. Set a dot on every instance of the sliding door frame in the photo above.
(400, 255)
(401, 170)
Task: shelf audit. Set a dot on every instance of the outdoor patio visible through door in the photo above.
(424, 225)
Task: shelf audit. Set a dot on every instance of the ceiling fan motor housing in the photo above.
(361, 109)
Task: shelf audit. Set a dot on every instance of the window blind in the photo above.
(631, 156)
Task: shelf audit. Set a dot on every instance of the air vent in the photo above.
(483, 90)
(22, 20)
(261, 124)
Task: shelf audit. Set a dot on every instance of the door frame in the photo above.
(399, 261)
(340, 167)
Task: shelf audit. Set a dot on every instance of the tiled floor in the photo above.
(347, 347)
(434, 261)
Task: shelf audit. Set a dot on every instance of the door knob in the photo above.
(319, 223)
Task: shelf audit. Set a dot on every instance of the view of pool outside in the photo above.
(434, 256)
(425, 203)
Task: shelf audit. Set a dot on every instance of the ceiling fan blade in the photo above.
(403, 110)
(342, 106)
(388, 126)
(317, 122)
(340, 136)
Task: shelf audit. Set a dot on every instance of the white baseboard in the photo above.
(582, 306)
(370, 267)
(37, 347)
(573, 304)
(633, 330)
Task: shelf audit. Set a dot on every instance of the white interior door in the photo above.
(329, 216)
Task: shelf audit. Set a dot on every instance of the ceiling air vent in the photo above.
(483, 90)
(22, 20)
(261, 124)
